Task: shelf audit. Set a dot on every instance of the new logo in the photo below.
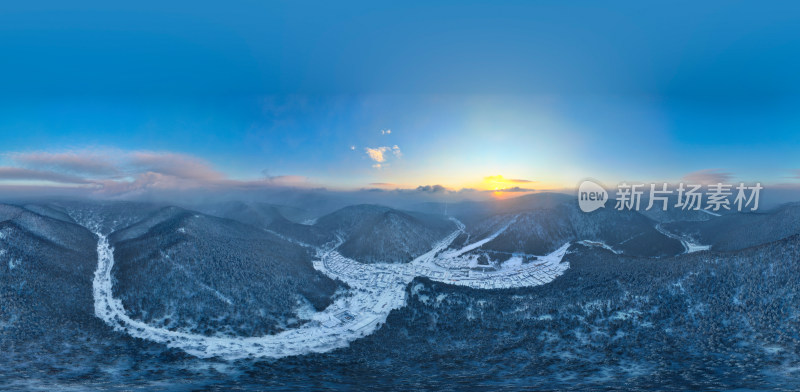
(591, 196)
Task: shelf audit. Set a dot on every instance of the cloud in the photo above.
(708, 176)
(382, 184)
(110, 163)
(177, 165)
(380, 154)
(499, 178)
(77, 162)
(288, 180)
(16, 173)
(514, 189)
(112, 172)
(431, 189)
(386, 131)
(376, 154)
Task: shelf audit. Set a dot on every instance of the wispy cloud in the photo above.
(116, 172)
(104, 163)
(514, 189)
(499, 178)
(171, 164)
(708, 176)
(288, 180)
(77, 162)
(17, 173)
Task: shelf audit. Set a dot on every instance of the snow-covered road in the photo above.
(376, 289)
(688, 246)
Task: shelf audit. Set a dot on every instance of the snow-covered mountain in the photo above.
(46, 268)
(255, 213)
(541, 223)
(191, 271)
(734, 231)
(192, 286)
(376, 234)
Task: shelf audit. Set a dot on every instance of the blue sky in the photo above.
(304, 93)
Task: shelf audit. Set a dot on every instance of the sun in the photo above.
(502, 187)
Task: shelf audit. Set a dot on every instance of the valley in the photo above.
(375, 290)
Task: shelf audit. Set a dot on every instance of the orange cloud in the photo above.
(379, 154)
(499, 178)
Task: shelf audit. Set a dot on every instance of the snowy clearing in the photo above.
(688, 245)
